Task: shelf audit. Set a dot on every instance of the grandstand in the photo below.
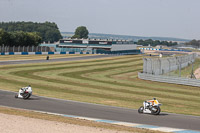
(98, 46)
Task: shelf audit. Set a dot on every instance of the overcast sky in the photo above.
(164, 18)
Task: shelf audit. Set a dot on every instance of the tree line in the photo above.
(155, 43)
(194, 43)
(19, 38)
(48, 31)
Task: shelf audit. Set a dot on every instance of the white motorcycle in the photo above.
(24, 92)
(150, 107)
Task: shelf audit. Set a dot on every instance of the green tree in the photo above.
(194, 43)
(149, 41)
(81, 32)
(1, 34)
(141, 42)
(4, 37)
(155, 43)
(48, 31)
(19, 38)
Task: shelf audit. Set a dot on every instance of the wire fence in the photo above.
(4, 49)
(169, 79)
(158, 66)
(154, 68)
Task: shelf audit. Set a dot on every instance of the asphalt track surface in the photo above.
(94, 110)
(99, 111)
(54, 60)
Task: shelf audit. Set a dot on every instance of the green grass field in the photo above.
(110, 81)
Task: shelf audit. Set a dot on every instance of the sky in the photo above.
(160, 18)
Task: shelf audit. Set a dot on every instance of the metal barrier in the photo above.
(169, 79)
(158, 66)
(4, 49)
(43, 53)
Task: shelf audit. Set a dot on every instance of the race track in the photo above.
(99, 111)
(54, 60)
(94, 110)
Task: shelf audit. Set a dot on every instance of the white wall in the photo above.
(118, 47)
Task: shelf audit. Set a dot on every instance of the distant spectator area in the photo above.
(100, 45)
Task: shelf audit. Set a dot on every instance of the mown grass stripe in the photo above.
(90, 94)
(124, 91)
(69, 63)
(107, 81)
(103, 69)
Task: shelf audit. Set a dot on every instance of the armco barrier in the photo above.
(31, 53)
(62, 52)
(50, 52)
(43, 53)
(24, 53)
(169, 79)
(11, 53)
(155, 49)
(71, 52)
(38, 52)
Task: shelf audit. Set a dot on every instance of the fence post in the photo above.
(144, 65)
(151, 65)
(3, 48)
(169, 66)
(192, 73)
(160, 68)
(179, 68)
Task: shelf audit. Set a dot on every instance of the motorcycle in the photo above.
(24, 92)
(150, 107)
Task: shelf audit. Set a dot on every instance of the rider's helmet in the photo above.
(154, 98)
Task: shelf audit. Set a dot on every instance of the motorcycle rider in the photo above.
(149, 103)
(22, 90)
(151, 107)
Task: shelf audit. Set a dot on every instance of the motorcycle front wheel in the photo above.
(140, 110)
(26, 96)
(156, 111)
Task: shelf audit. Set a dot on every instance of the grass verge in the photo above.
(109, 81)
